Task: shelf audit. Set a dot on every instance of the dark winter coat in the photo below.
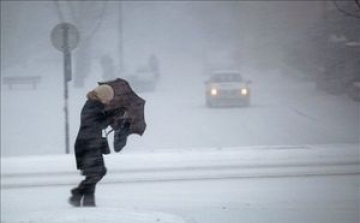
(88, 152)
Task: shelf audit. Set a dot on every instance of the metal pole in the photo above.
(121, 36)
(67, 77)
(67, 65)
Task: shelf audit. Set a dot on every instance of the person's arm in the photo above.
(110, 117)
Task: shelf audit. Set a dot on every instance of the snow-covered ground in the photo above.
(312, 199)
(256, 184)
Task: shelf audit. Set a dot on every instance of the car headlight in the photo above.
(244, 91)
(213, 91)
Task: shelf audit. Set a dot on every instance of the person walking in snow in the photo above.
(88, 144)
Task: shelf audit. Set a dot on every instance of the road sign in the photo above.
(65, 37)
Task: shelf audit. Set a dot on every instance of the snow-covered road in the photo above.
(320, 199)
(284, 111)
(315, 184)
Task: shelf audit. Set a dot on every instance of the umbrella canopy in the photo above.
(125, 98)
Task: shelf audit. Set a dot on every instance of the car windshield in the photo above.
(221, 78)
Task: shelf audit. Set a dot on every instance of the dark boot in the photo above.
(89, 200)
(76, 195)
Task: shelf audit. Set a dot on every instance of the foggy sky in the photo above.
(243, 29)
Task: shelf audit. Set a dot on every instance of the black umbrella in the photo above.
(128, 112)
(125, 99)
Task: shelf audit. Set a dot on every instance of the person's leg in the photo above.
(75, 198)
(89, 186)
(89, 191)
(93, 170)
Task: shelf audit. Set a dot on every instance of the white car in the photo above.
(224, 88)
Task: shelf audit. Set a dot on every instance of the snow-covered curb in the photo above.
(189, 164)
(190, 158)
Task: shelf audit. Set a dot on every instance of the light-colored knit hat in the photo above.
(104, 92)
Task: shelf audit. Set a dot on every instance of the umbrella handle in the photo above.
(107, 133)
